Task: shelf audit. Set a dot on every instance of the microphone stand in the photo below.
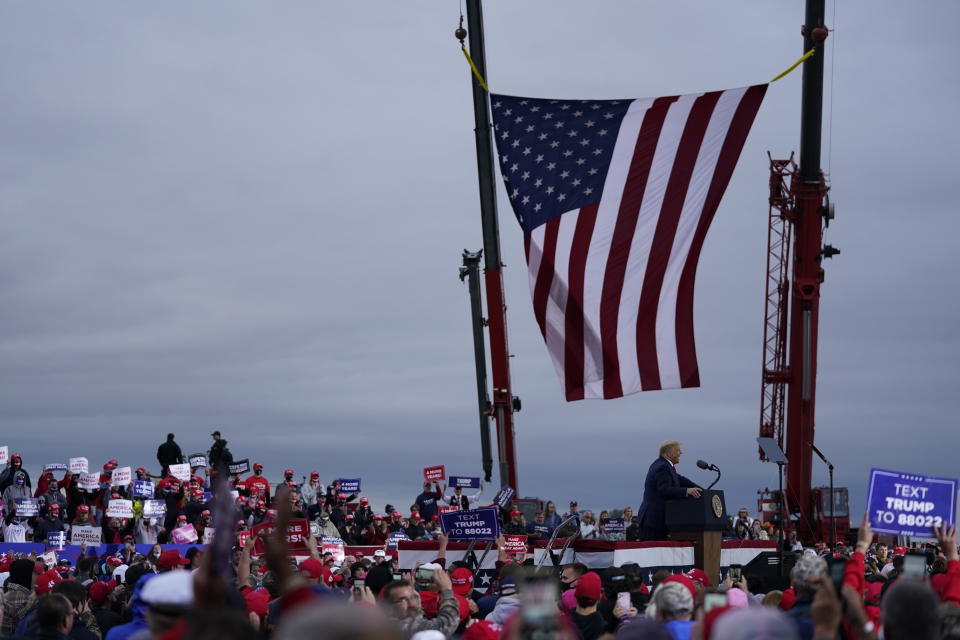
(717, 469)
(833, 519)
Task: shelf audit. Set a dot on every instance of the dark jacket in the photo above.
(169, 453)
(663, 483)
(219, 454)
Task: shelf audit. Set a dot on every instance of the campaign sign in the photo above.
(465, 482)
(142, 489)
(154, 508)
(613, 525)
(56, 466)
(350, 485)
(180, 471)
(297, 533)
(82, 534)
(242, 537)
(198, 460)
(120, 509)
(514, 543)
(240, 466)
(395, 537)
(89, 481)
(473, 524)
(121, 477)
(333, 545)
(27, 507)
(433, 474)
(4, 454)
(79, 465)
(447, 508)
(503, 497)
(906, 504)
(208, 535)
(57, 540)
(184, 535)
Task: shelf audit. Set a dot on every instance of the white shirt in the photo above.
(15, 533)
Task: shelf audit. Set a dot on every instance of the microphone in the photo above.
(705, 465)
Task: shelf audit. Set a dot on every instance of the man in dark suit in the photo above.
(663, 483)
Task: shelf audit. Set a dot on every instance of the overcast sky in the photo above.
(249, 216)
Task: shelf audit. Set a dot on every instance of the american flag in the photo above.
(615, 198)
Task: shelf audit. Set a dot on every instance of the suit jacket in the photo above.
(662, 484)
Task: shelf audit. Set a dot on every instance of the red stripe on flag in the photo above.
(726, 162)
(573, 314)
(634, 188)
(684, 161)
(541, 291)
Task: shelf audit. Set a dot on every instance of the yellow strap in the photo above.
(476, 73)
(796, 64)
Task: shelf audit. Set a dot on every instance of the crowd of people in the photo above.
(247, 583)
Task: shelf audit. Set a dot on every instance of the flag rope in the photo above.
(796, 64)
(476, 73)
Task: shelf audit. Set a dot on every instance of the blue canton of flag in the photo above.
(554, 154)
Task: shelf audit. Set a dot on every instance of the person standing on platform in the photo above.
(663, 483)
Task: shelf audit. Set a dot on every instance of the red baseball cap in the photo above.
(205, 513)
(171, 558)
(114, 561)
(142, 470)
(83, 509)
(314, 474)
(462, 579)
(46, 581)
(100, 590)
(397, 515)
(515, 513)
(482, 630)
(257, 465)
(312, 567)
(54, 507)
(699, 575)
(364, 501)
(181, 517)
(588, 586)
(288, 472)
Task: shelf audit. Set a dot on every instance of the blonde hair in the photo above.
(667, 445)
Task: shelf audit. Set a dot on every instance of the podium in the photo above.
(700, 521)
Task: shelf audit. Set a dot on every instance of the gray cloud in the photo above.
(250, 217)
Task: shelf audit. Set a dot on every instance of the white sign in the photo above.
(90, 481)
(49, 558)
(184, 535)
(81, 534)
(79, 465)
(154, 508)
(55, 466)
(121, 477)
(4, 454)
(208, 535)
(120, 509)
(180, 471)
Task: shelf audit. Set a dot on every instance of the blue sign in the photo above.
(906, 504)
(613, 525)
(349, 485)
(475, 524)
(142, 489)
(395, 537)
(466, 482)
(503, 497)
(56, 540)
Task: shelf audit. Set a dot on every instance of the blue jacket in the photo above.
(662, 484)
(139, 609)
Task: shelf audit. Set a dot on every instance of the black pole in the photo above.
(833, 516)
(811, 115)
(471, 272)
(482, 131)
(780, 507)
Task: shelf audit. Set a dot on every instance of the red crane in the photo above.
(799, 211)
